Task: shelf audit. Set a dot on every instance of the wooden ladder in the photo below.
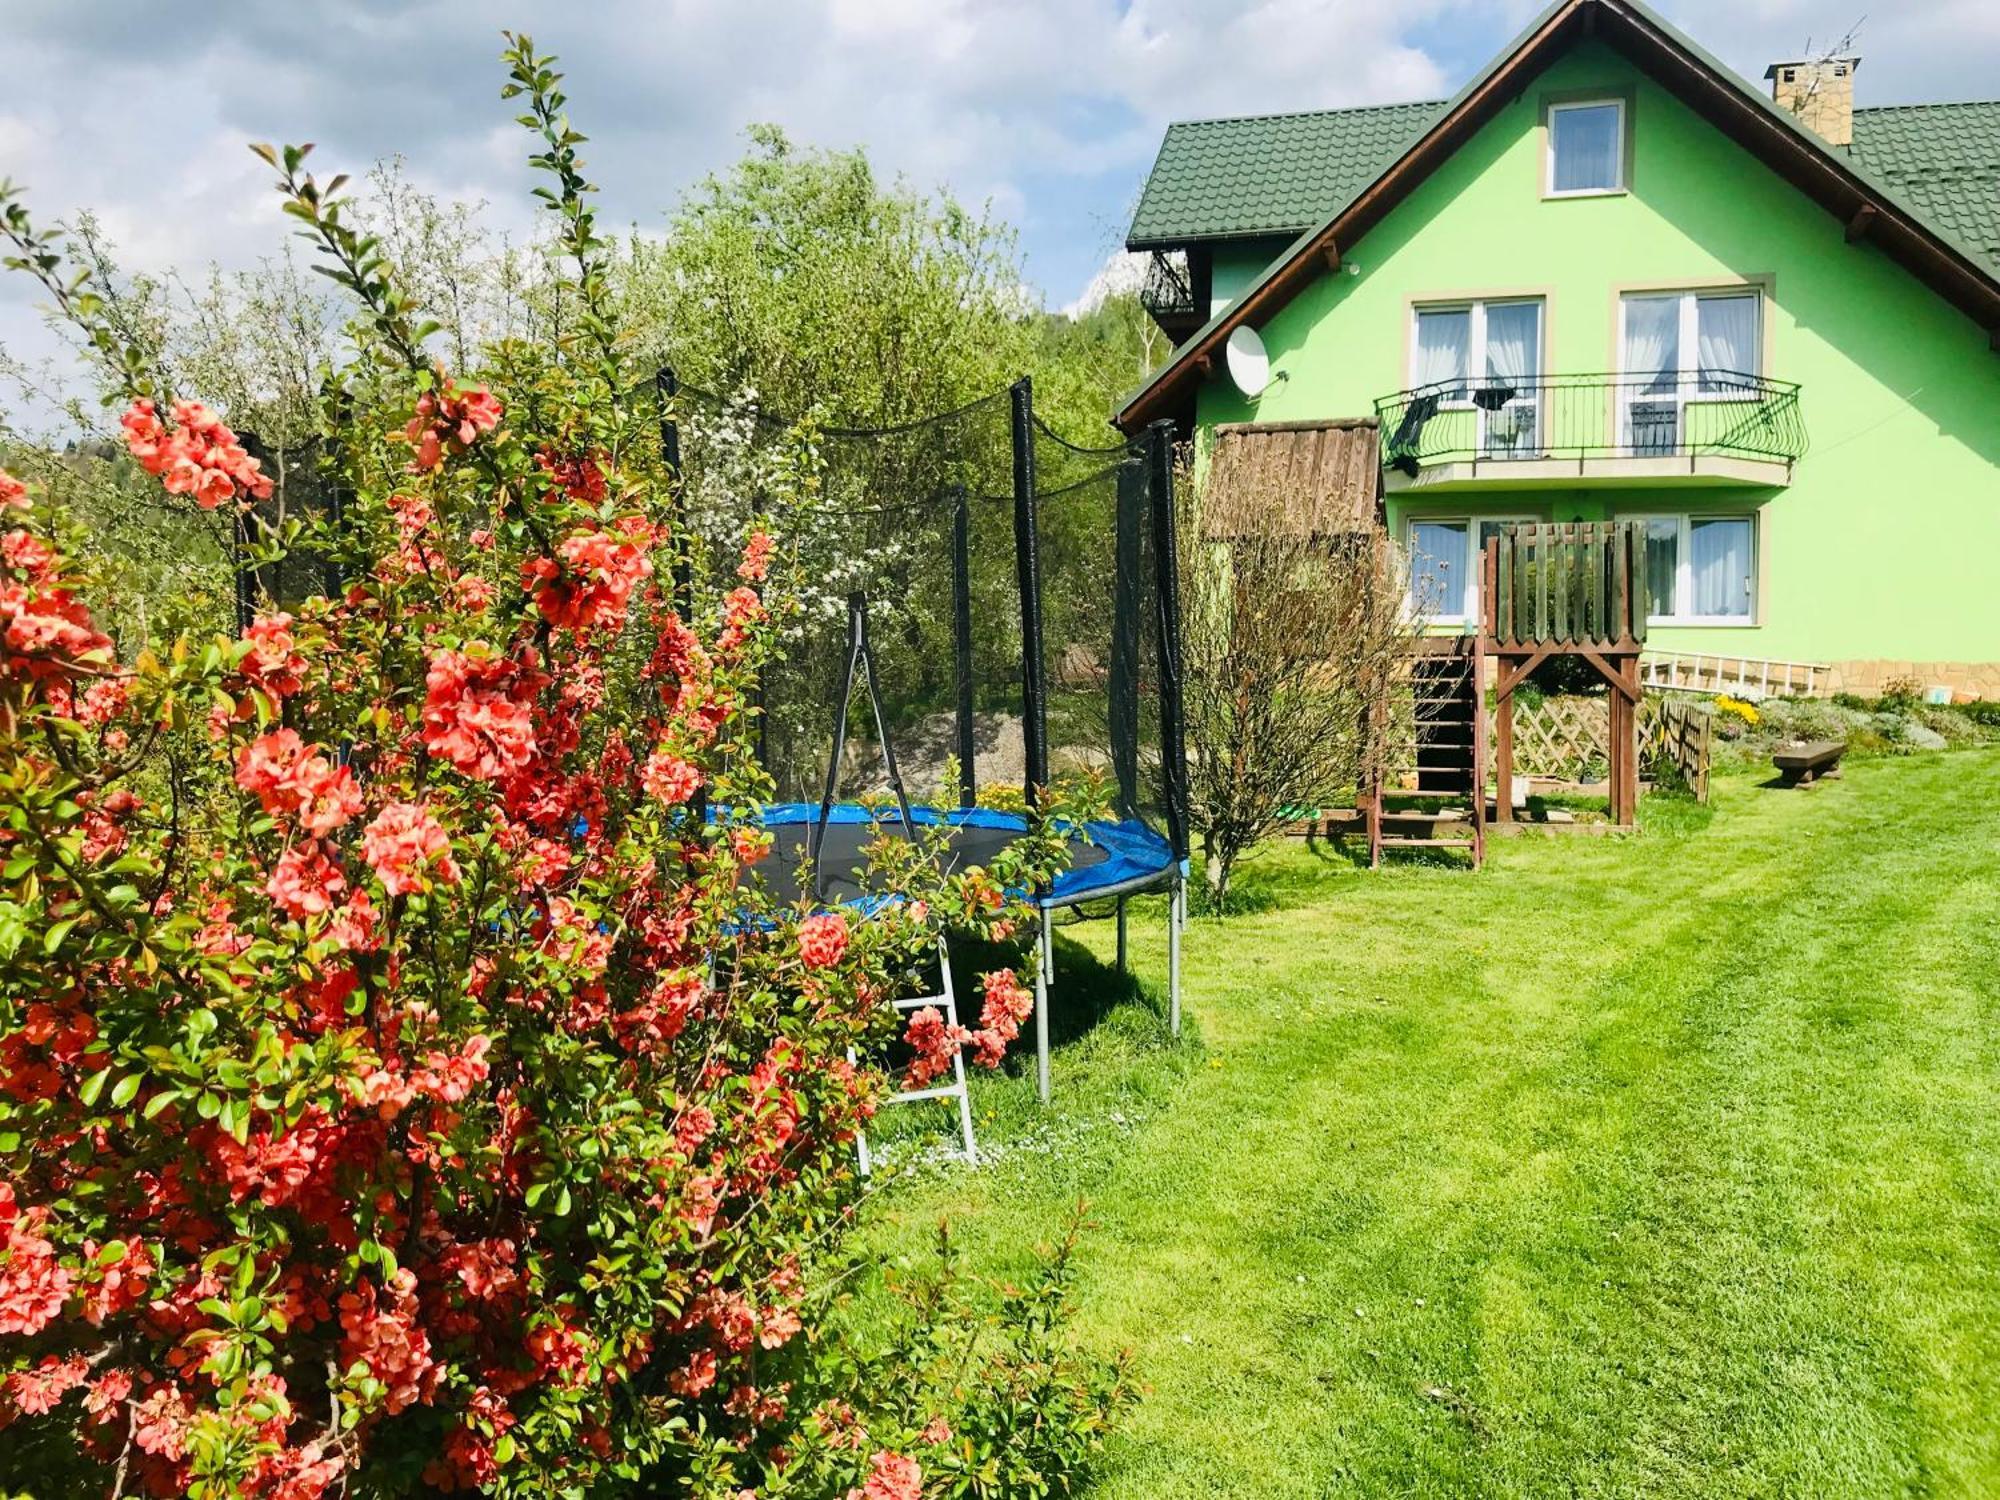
(1445, 757)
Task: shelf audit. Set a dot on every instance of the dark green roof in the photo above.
(1943, 162)
(1284, 174)
(1268, 174)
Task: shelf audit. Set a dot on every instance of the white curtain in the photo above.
(1444, 348)
(1513, 342)
(1587, 145)
(1437, 568)
(1719, 562)
(1653, 339)
(1726, 329)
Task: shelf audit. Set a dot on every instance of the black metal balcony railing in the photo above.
(1676, 414)
(1167, 292)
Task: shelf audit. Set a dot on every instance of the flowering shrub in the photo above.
(404, 1081)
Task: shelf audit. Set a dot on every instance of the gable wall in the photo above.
(1885, 547)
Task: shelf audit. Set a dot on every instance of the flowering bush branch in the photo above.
(404, 1078)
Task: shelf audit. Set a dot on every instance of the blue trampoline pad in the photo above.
(1106, 858)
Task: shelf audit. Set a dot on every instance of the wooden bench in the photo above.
(1802, 765)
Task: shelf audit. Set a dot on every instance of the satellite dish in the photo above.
(1249, 365)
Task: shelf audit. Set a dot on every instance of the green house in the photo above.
(1613, 279)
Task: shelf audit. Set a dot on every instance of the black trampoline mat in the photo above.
(841, 859)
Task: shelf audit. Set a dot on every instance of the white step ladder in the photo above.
(946, 1000)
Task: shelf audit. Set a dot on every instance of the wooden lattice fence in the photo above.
(1566, 738)
(1678, 734)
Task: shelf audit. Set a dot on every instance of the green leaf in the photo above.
(92, 1087)
(126, 1091)
(56, 934)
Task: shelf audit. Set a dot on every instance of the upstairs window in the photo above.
(1586, 148)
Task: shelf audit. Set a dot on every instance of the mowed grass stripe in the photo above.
(1649, 1166)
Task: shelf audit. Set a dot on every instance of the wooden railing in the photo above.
(1572, 585)
(1737, 676)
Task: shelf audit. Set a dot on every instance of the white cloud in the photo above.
(1050, 109)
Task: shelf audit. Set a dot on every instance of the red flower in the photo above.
(274, 662)
(671, 778)
(33, 1286)
(894, 1477)
(407, 849)
(477, 714)
(589, 583)
(450, 419)
(13, 493)
(304, 882)
(934, 1044)
(822, 939)
(756, 558)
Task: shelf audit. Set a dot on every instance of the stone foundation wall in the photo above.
(1966, 679)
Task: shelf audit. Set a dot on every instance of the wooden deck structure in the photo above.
(1573, 588)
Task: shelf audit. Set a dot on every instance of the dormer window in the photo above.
(1586, 148)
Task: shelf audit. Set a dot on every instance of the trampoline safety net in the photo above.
(1018, 592)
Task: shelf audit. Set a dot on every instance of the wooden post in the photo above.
(1503, 751)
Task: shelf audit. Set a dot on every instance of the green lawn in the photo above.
(1663, 1165)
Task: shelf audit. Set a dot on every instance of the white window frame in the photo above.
(1684, 566)
(1549, 189)
(1687, 389)
(1475, 358)
(1468, 609)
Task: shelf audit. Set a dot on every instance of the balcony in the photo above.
(1168, 294)
(1689, 428)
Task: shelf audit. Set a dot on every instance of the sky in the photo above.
(1048, 110)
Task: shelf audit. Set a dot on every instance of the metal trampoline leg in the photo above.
(1175, 906)
(1042, 1012)
(1121, 934)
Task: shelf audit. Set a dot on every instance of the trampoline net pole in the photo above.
(1027, 561)
(961, 631)
(1173, 724)
(666, 386)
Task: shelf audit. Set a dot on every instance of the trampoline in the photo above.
(1106, 859)
(1022, 590)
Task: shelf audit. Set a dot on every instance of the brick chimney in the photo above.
(1820, 91)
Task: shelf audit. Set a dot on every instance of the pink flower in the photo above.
(13, 493)
(671, 778)
(274, 662)
(477, 713)
(894, 1477)
(304, 882)
(41, 1389)
(161, 1423)
(200, 457)
(822, 939)
(382, 1331)
(756, 558)
(33, 1286)
(407, 849)
(450, 419)
(934, 1045)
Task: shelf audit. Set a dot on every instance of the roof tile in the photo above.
(1284, 174)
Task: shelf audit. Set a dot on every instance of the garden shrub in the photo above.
(404, 1085)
